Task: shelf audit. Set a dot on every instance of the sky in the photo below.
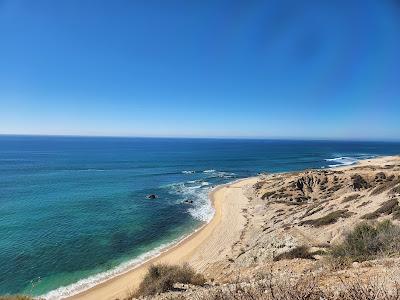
(269, 69)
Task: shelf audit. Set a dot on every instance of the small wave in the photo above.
(84, 284)
(226, 174)
(221, 174)
(340, 159)
(188, 172)
(91, 170)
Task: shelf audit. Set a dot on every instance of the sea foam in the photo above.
(87, 283)
(201, 208)
(188, 172)
(347, 160)
(341, 161)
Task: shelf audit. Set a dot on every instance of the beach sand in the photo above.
(205, 247)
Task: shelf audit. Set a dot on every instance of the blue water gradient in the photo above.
(73, 207)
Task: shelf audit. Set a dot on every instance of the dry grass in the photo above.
(384, 187)
(298, 252)
(365, 203)
(387, 208)
(306, 288)
(350, 198)
(162, 278)
(330, 218)
(395, 190)
(313, 210)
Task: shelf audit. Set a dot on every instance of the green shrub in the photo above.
(368, 241)
(161, 278)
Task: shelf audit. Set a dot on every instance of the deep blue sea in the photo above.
(73, 210)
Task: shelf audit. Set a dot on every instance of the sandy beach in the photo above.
(204, 247)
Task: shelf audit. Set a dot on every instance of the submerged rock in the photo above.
(152, 196)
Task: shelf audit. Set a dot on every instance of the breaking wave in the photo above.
(196, 192)
(347, 160)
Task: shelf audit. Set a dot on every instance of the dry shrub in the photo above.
(385, 186)
(359, 182)
(313, 209)
(396, 215)
(297, 252)
(161, 278)
(330, 218)
(350, 198)
(395, 190)
(368, 241)
(365, 203)
(387, 208)
(267, 288)
(268, 195)
(372, 289)
(305, 288)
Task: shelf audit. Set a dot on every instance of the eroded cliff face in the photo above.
(317, 207)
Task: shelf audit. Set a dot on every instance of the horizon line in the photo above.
(283, 138)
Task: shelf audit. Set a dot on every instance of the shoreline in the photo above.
(185, 249)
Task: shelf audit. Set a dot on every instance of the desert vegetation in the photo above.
(297, 252)
(162, 278)
(270, 287)
(388, 207)
(369, 241)
(330, 218)
(351, 198)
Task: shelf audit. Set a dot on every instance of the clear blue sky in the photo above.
(304, 69)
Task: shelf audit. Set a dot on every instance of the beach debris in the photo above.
(152, 196)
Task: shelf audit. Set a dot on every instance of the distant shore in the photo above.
(204, 246)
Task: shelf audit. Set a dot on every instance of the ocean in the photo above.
(74, 210)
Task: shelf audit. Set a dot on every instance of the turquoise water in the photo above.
(74, 210)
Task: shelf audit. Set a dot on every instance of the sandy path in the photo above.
(209, 244)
